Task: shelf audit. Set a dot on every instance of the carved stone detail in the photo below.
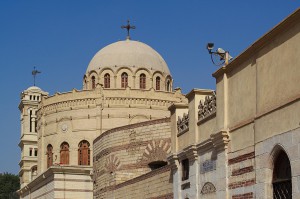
(134, 146)
(156, 151)
(112, 164)
(207, 108)
(208, 188)
(183, 123)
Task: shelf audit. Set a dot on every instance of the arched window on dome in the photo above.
(49, 155)
(142, 81)
(157, 83)
(93, 82)
(106, 80)
(124, 80)
(282, 177)
(64, 153)
(168, 85)
(84, 153)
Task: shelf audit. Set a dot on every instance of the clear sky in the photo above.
(61, 37)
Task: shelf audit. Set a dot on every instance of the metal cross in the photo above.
(34, 73)
(128, 27)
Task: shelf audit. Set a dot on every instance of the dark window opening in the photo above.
(106, 80)
(30, 120)
(157, 83)
(185, 169)
(282, 177)
(93, 82)
(49, 156)
(157, 164)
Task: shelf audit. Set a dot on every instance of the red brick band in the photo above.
(241, 184)
(242, 171)
(241, 158)
(243, 196)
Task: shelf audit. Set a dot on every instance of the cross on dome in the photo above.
(128, 27)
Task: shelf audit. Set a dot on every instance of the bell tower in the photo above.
(28, 107)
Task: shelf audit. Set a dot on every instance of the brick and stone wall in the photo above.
(124, 153)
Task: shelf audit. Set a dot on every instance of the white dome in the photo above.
(33, 88)
(128, 53)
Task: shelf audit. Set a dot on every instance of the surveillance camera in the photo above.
(210, 46)
(220, 51)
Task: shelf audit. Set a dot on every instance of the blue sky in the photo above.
(61, 37)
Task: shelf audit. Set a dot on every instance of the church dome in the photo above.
(128, 53)
(33, 88)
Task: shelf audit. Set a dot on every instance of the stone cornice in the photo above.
(173, 160)
(175, 106)
(196, 91)
(260, 43)
(189, 152)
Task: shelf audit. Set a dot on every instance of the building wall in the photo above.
(84, 115)
(257, 116)
(156, 184)
(123, 153)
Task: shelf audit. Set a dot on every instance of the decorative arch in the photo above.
(64, 153)
(92, 72)
(208, 188)
(126, 68)
(155, 154)
(84, 153)
(141, 70)
(112, 164)
(106, 69)
(49, 155)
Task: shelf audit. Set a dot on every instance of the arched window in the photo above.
(168, 85)
(157, 81)
(124, 80)
(84, 153)
(282, 177)
(64, 153)
(143, 81)
(93, 82)
(106, 80)
(49, 155)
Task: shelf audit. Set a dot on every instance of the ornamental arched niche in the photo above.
(208, 188)
(155, 154)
